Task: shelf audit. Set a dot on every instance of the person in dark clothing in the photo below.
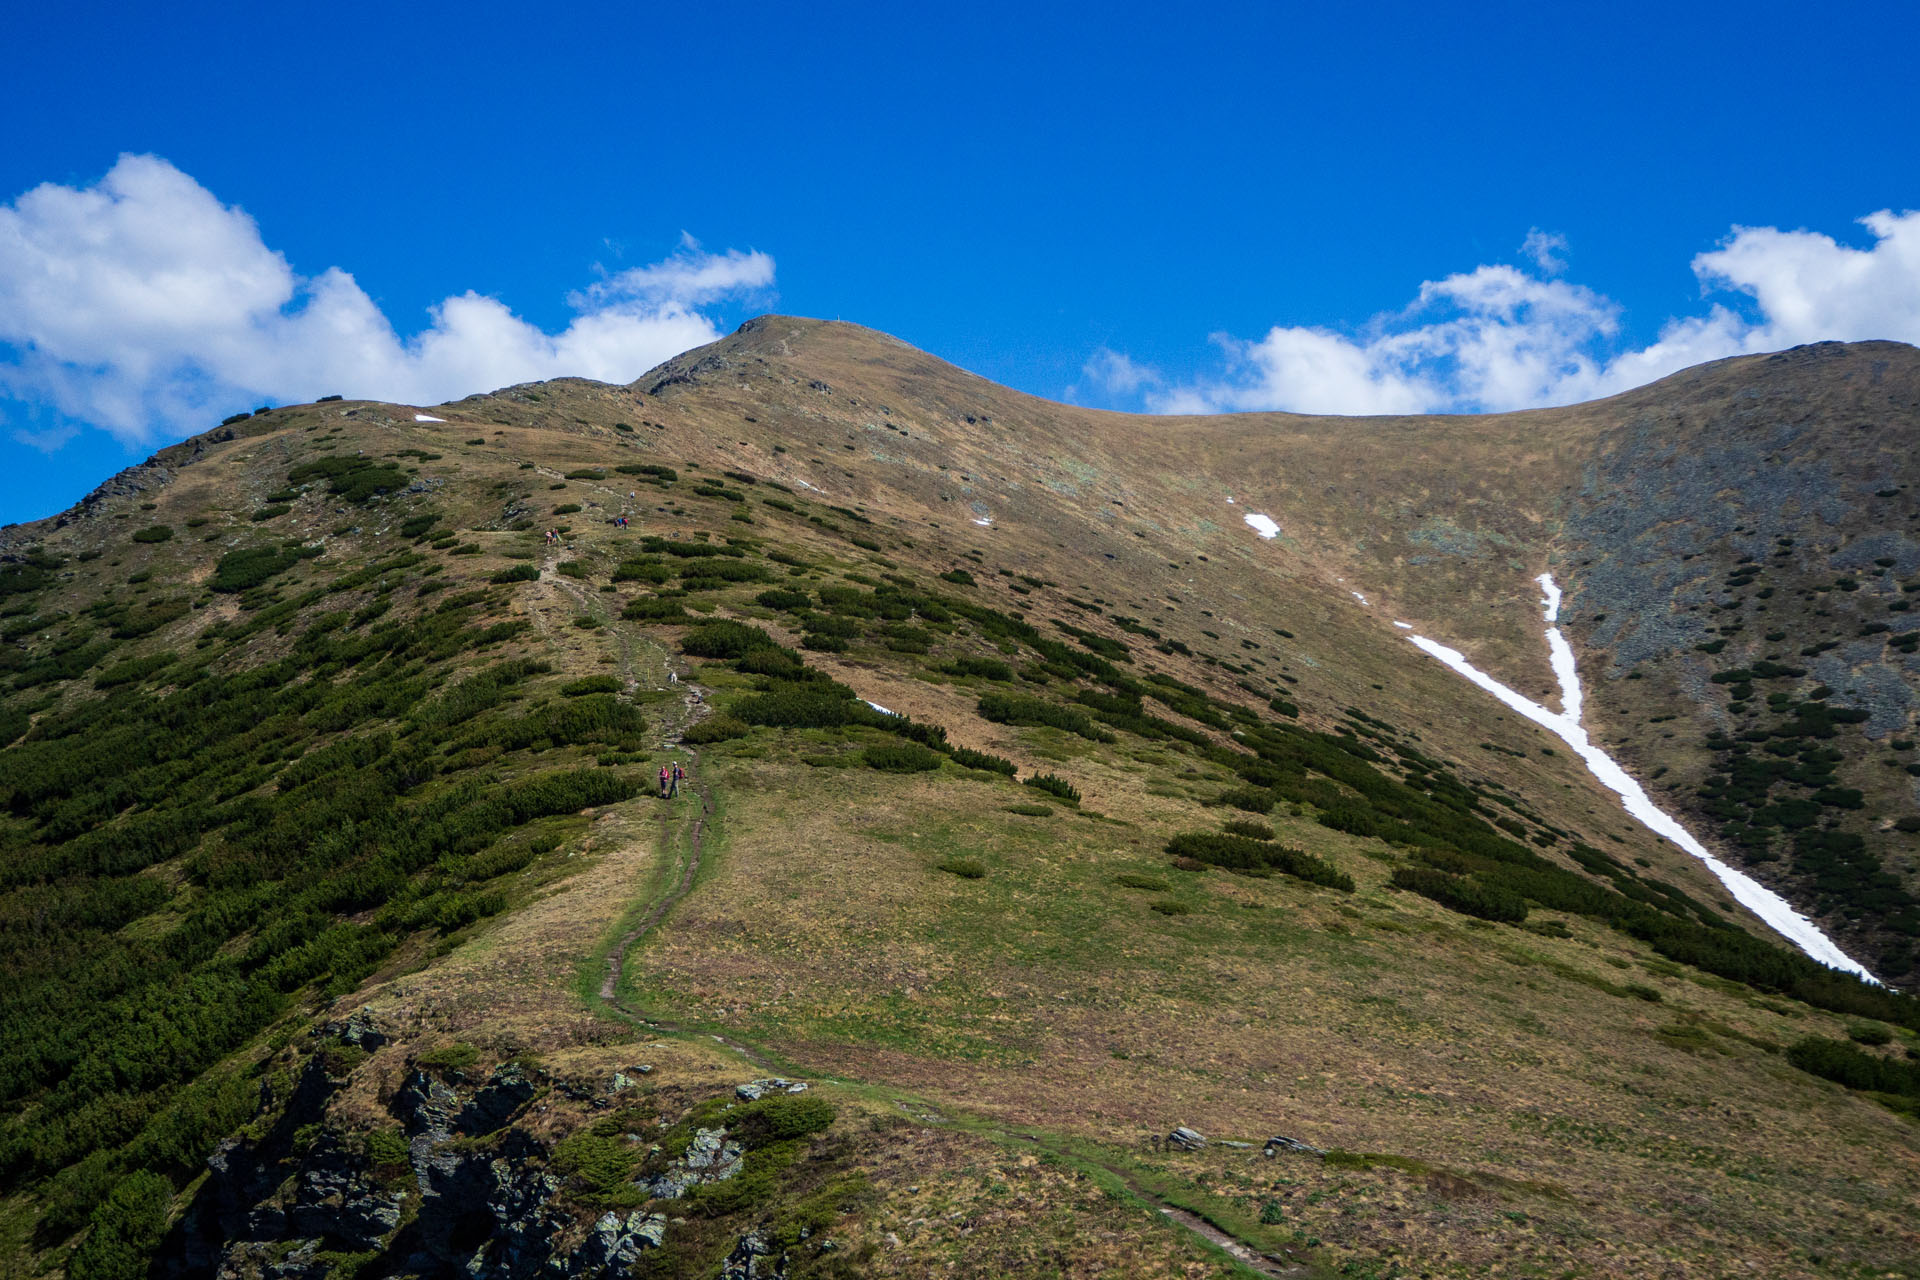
(673, 783)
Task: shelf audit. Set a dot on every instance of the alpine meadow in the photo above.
(1103, 844)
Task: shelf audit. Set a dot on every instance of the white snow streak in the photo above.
(1404, 626)
(1551, 600)
(1747, 891)
(1357, 596)
(426, 417)
(984, 521)
(877, 707)
(1262, 525)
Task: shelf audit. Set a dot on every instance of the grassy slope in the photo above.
(1540, 1112)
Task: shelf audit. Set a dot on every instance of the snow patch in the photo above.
(1404, 626)
(983, 521)
(1357, 596)
(426, 417)
(804, 485)
(877, 707)
(1262, 525)
(1550, 596)
(1748, 892)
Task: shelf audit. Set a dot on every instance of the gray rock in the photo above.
(624, 1080)
(773, 1084)
(753, 1258)
(1186, 1139)
(615, 1244)
(357, 1029)
(425, 1105)
(506, 1091)
(710, 1157)
(333, 1198)
(1282, 1143)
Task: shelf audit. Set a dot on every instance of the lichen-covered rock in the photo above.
(333, 1198)
(615, 1244)
(754, 1258)
(505, 1092)
(774, 1084)
(710, 1157)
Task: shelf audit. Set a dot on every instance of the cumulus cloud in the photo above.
(142, 302)
(1503, 337)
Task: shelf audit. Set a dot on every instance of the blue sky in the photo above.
(1317, 207)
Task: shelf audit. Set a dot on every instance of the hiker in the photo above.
(664, 779)
(679, 775)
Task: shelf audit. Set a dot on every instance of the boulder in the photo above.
(1186, 1139)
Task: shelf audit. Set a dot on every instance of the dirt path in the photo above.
(1239, 1250)
(610, 982)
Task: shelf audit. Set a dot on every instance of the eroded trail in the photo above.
(616, 958)
(1241, 1251)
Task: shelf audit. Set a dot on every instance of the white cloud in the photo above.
(1118, 375)
(1500, 337)
(1547, 249)
(141, 304)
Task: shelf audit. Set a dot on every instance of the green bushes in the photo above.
(985, 668)
(654, 570)
(1457, 893)
(725, 571)
(589, 718)
(814, 705)
(1252, 799)
(654, 609)
(649, 469)
(715, 729)
(124, 1231)
(154, 533)
(515, 573)
(900, 757)
(965, 868)
(1054, 785)
(354, 480)
(783, 600)
(968, 758)
(272, 511)
(725, 639)
(1014, 708)
(1251, 830)
(1239, 853)
(249, 567)
(1843, 1063)
(591, 684)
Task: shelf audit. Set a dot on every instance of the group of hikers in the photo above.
(670, 780)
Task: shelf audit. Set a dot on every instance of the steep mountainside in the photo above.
(1038, 805)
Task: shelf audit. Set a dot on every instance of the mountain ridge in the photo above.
(324, 729)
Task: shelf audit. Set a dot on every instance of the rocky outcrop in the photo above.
(471, 1176)
(710, 1157)
(616, 1243)
(754, 1258)
(453, 1190)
